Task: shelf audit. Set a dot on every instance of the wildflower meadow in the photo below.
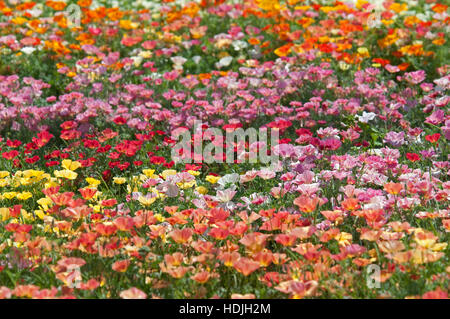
(252, 149)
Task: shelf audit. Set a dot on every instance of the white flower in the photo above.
(28, 50)
(228, 179)
(196, 59)
(224, 62)
(178, 60)
(137, 60)
(225, 195)
(239, 45)
(37, 10)
(366, 117)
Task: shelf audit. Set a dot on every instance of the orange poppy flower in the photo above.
(56, 5)
(201, 277)
(174, 260)
(84, 3)
(264, 258)
(181, 236)
(393, 188)
(350, 204)
(254, 242)
(284, 50)
(246, 266)
(286, 240)
(306, 204)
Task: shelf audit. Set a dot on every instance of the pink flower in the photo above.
(331, 144)
(395, 139)
(392, 68)
(415, 77)
(133, 293)
(436, 117)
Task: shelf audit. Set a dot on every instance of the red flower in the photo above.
(42, 139)
(10, 155)
(31, 160)
(109, 202)
(17, 163)
(157, 160)
(68, 125)
(15, 143)
(51, 190)
(70, 134)
(123, 166)
(169, 165)
(413, 157)
(106, 174)
(15, 211)
(181, 236)
(89, 162)
(219, 233)
(120, 120)
(433, 138)
(193, 167)
(51, 163)
(91, 144)
(104, 149)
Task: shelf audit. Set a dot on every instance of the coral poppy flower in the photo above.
(87, 193)
(246, 266)
(286, 240)
(306, 204)
(181, 236)
(393, 188)
(124, 223)
(350, 204)
(121, 265)
(255, 241)
(201, 277)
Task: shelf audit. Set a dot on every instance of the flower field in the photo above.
(98, 201)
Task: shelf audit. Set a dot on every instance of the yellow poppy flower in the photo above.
(68, 174)
(4, 213)
(119, 180)
(212, 179)
(193, 173)
(9, 195)
(148, 172)
(92, 181)
(70, 165)
(24, 195)
(45, 202)
(4, 174)
(202, 190)
(4, 182)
